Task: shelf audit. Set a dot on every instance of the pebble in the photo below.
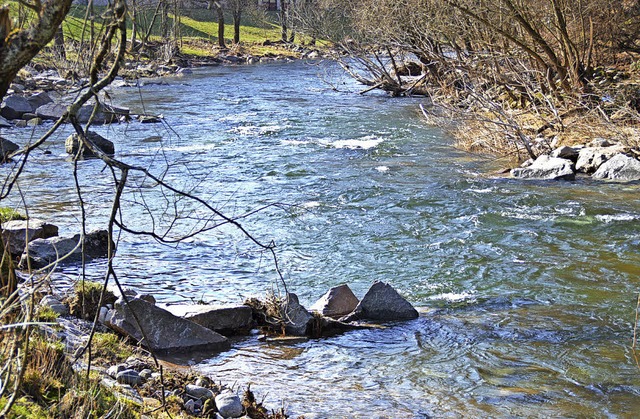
(146, 373)
(130, 377)
(199, 392)
(203, 382)
(113, 370)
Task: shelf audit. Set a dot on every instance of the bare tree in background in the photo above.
(17, 48)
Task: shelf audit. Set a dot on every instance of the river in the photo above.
(527, 290)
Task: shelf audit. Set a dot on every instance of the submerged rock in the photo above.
(382, 302)
(619, 167)
(337, 302)
(165, 333)
(546, 167)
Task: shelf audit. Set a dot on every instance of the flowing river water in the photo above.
(527, 290)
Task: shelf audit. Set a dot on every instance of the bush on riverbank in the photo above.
(514, 75)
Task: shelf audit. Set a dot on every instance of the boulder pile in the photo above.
(600, 159)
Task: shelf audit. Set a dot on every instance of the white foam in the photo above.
(616, 217)
(364, 143)
(382, 169)
(453, 296)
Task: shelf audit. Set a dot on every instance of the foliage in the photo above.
(9, 214)
(46, 314)
(110, 348)
(87, 299)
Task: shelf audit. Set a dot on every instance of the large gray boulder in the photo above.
(546, 167)
(165, 333)
(337, 302)
(45, 251)
(6, 147)
(14, 106)
(38, 99)
(382, 302)
(619, 167)
(106, 114)
(297, 318)
(73, 143)
(51, 111)
(591, 158)
(18, 232)
(228, 321)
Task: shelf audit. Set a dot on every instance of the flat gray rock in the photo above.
(165, 332)
(18, 232)
(51, 111)
(45, 251)
(14, 106)
(619, 167)
(548, 168)
(229, 321)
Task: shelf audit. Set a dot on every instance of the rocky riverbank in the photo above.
(600, 159)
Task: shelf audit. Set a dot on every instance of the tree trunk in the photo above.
(237, 15)
(221, 43)
(58, 43)
(19, 47)
(283, 19)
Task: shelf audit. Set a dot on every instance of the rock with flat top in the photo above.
(337, 302)
(546, 167)
(229, 321)
(18, 232)
(45, 251)
(165, 333)
(382, 302)
(14, 106)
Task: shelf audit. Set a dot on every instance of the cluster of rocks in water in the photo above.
(601, 159)
(204, 330)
